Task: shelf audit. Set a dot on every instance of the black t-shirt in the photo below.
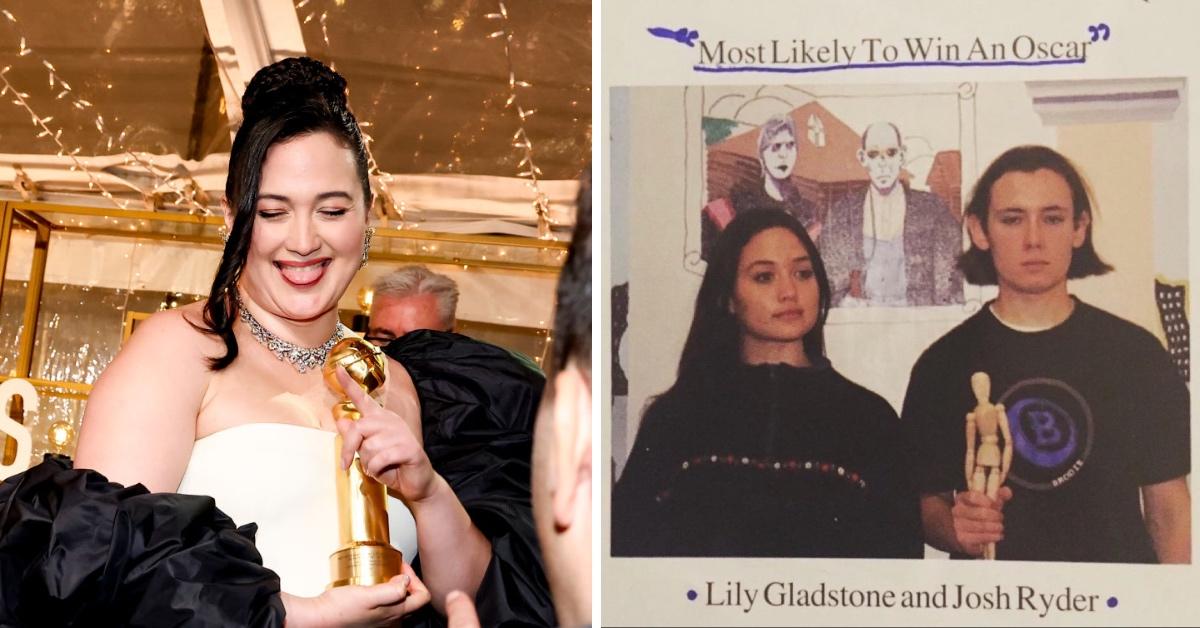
(770, 461)
(1096, 410)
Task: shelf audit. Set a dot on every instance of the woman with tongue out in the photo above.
(225, 397)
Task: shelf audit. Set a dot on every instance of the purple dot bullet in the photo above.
(1112, 602)
(692, 594)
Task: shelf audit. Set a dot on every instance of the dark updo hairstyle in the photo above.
(287, 99)
(976, 264)
(714, 341)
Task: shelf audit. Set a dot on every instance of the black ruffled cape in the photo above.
(478, 403)
(78, 550)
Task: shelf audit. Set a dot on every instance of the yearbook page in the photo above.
(898, 310)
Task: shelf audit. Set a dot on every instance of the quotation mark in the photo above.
(1097, 30)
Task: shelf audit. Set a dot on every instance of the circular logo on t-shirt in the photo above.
(1051, 427)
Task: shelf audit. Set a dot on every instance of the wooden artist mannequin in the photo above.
(987, 465)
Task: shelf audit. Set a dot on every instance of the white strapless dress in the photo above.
(281, 477)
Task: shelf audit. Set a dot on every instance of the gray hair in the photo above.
(772, 127)
(413, 280)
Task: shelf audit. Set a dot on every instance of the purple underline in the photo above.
(896, 64)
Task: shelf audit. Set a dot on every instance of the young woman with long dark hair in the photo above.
(761, 448)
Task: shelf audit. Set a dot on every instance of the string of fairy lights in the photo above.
(186, 195)
(22, 99)
(527, 168)
(189, 193)
(521, 140)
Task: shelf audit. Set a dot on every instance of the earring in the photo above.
(223, 233)
(367, 246)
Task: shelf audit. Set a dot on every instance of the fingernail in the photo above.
(454, 595)
(404, 582)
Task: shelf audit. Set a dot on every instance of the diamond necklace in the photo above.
(302, 358)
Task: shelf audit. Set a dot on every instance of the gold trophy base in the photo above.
(364, 564)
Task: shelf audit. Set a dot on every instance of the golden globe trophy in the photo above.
(365, 554)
